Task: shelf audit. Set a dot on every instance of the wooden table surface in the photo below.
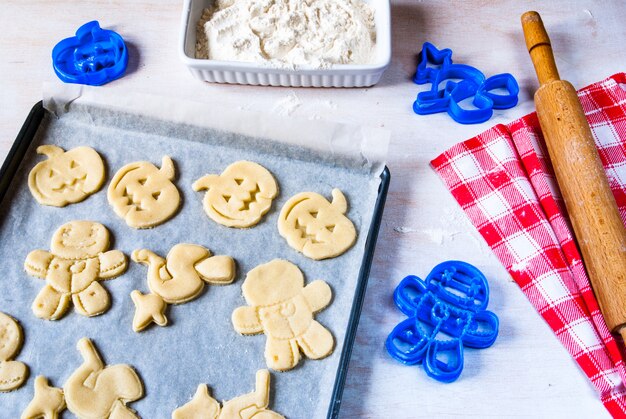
(527, 372)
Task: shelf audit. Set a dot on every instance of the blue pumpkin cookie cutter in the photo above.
(461, 82)
(94, 56)
(447, 311)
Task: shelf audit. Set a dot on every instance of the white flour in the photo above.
(288, 33)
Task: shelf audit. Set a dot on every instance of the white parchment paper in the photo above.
(199, 345)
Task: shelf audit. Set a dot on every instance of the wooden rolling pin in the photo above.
(590, 203)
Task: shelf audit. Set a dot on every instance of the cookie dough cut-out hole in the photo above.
(142, 181)
(313, 214)
(330, 228)
(239, 181)
(303, 233)
(252, 199)
(156, 194)
(73, 164)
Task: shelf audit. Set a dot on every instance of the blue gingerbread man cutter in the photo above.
(460, 82)
(446, 311)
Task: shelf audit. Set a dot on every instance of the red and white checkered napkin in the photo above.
(506, 186)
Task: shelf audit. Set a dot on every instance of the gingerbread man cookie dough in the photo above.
(251, 405)
(66, 177)
(177, 279)
(240, 196)
(143, 195)
(77, 260)
(280, 306)
(12, 373)
(317, 228)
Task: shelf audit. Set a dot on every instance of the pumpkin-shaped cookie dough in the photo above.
(317, 228)
(240, 196)
(66, 177)
(143, 195)
(12, 373)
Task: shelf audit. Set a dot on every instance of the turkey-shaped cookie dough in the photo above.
(240, 196)
(317, 228)
(77, 260)
(177, 279)
(143, 195)
(66, 177)
(96, 390)
(282, 307)
(47, 403)
(251, 405)
(12, 373)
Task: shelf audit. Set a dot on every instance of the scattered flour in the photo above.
(288, 33)
(287, 105)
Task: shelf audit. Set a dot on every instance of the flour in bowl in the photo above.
(288, 33)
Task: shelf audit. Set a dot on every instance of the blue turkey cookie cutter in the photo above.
(460, 82)
(94, 56)
(446, 311)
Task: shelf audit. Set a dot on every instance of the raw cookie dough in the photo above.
(143, 195)
(254, 404)
(176, 280)
(47, 403)
(66, 177)
(282, 307)
(12, 373)
(240, 196)
(317, 228)
(96, 390)
(77, 260)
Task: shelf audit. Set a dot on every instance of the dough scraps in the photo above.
(280, 306)
(66, 177)
(77, 260)
(143, 195)
(317, 228)
(177, 279)
(254, 404)
(240, 196)
(12, 373)
(96, 390)
(47, 403)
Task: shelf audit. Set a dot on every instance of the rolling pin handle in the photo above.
(539, 48)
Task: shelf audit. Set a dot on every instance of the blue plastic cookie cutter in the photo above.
(94, 56)
(446, 311)
(460, 82)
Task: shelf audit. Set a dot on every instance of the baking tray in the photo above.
(21, 149)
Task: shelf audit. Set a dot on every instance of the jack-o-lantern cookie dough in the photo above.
(317, 228)
(177, 279)
(143, 195)
(282, 307)
(77, 260)
(12, 373)
(250, 405)
(240, 196)
(66, 177)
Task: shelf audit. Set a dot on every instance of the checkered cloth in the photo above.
(506, 186)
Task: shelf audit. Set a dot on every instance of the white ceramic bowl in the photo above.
(339, 75)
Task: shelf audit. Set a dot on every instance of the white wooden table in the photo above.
(527, 372)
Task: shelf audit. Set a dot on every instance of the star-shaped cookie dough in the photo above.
(47, 402)
(148, 308)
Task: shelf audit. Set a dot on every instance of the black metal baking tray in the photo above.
(26, 137)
